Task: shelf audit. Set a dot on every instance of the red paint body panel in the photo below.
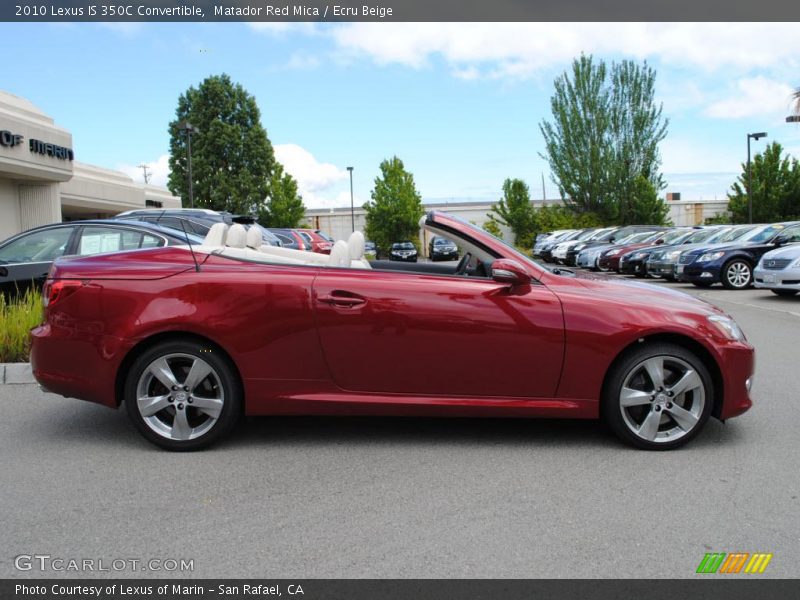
(402, 343)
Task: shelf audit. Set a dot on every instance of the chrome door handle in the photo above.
(338, 300)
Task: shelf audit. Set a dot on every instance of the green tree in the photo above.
(775, 192)
(232, 157)
(645, 207)
(515, 210)
(284, 205)
(394, 212)
(493, 227)
(604, 135)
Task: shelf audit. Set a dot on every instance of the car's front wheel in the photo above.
(737, 275)
(183, 395)
(658, 397)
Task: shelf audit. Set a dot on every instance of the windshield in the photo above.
(676, 236)
(442, 242)
(403, 246)
(588, 234)
(606, 235)
(762, 234)
(734, 234)
(703, 235)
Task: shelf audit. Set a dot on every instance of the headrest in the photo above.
(216, 235)
(340, 255)
(237, 236)
(356, 244)
(254, 239)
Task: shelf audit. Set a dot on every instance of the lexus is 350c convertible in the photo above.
(190, 338)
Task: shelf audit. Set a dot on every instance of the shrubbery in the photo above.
(17, 318)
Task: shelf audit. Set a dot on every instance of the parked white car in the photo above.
(779, 269)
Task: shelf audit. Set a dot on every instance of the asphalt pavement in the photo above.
(347, 497)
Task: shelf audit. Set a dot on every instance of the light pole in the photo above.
(352, 210)
(754, 136)
(190, 130)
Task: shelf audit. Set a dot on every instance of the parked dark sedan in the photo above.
(403, 251)
(442, 249)
(732, 264)
(635, 262)
(25, 258)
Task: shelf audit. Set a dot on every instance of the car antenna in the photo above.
(188, 241)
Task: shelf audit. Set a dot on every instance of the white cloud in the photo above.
(158, 170)
(316, 180)
(281, 28)
(520, 49)
(753, 96)
(303, 61)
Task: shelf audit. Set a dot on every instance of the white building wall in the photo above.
(9, 208)
(38, 204)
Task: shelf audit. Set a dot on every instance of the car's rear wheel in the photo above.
(183, 395)
(785, 293)
(737, 275)
(658, 397)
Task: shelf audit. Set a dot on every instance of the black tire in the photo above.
(630, 364)
(221, 383)
(784, 293)
(731, 274)
(702, 284)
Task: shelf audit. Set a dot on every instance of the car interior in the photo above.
(238, 243)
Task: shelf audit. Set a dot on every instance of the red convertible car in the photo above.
(190, 338)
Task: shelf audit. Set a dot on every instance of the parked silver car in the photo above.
(779, 270)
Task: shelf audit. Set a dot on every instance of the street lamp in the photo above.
(352, 212)
(190, 130)
(754, 136)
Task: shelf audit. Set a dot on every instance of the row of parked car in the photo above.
(736, 256)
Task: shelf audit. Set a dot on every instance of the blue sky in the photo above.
(459, 103)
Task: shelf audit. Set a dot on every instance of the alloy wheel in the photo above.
(180, 396)
(662, 399)
(738, 274)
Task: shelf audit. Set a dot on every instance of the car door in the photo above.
(419, 334)
(25, 260)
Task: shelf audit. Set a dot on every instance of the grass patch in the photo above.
(17, 318)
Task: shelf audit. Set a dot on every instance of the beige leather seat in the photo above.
(355, 244)
(282, 255)
(216, 235)
(340, 255)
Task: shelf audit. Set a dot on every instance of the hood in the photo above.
(609, 287)
(789, 251)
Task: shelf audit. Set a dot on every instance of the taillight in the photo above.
(325, 246)
(58, 290)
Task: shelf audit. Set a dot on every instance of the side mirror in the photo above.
(505, 270)
(661, 241)
(781, 240)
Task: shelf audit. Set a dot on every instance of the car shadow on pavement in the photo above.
(86, 424)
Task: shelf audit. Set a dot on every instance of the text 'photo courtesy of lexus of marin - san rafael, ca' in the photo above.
(191, 337)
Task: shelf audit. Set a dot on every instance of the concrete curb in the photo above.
(16, 373)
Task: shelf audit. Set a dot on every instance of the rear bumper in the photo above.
(82, 367)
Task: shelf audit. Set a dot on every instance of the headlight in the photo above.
(709, 256)
(613, 252)
(639, 255)
(796, 264)
(673, 256)
(728, 327)
(579, 247)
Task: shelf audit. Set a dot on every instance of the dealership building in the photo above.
(42, 182)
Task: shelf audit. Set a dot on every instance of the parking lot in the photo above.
(344, 497)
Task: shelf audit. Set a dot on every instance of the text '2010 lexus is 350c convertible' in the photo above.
(190, 338)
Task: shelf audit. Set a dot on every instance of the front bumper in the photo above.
(661, 269)
(737, 366)
(632, 267)
(783, 279)
(452, 255)
(412, 258)
(706, 272)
